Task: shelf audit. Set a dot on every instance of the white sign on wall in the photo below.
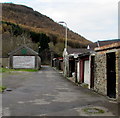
(23, 61)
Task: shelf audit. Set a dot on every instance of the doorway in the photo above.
(92, 72)
(111, 75)
(71, 67)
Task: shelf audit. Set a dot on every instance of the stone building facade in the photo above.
(100, 73)
(118, 73)
(107, 70)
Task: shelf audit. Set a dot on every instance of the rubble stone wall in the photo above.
(118, 75)
(100, 73)
(100, 81)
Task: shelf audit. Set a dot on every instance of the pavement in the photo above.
(48, 93)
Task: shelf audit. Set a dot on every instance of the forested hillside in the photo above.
(23, 25)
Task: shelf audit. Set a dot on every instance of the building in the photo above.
(97, 67)
(58, 63)
(85, 67)
(24, 57)
(69, 59)
(107, 70)
(91, 46)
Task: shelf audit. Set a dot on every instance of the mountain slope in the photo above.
(28, 18)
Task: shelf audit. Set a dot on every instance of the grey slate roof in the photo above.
(102, 43)
(76, 50)
(107, 42)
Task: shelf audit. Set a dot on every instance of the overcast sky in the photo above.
(93, 19)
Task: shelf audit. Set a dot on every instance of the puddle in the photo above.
(8, 89)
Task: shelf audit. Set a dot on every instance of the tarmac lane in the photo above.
(48, 93)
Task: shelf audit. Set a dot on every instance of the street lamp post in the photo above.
(65, 49)
(65, 33)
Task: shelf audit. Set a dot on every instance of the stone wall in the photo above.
(38, 63)
(66, 65)
(100, 73)
(118, 75)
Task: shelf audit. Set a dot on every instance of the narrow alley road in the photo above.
(48, 93)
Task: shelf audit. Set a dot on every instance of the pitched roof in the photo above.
(76, 50)
(108, 47)
(102, 43)
(23, 46)
(107, 42)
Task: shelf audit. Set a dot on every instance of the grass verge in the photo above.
(2, 88)
(93, 111)
(2, 70)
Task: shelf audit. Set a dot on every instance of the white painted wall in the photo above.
(23, 61)
(87, 73)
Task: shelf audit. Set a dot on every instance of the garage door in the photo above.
(23, 61)
(86, 73)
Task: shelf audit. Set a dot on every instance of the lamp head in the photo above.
(61, 22)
